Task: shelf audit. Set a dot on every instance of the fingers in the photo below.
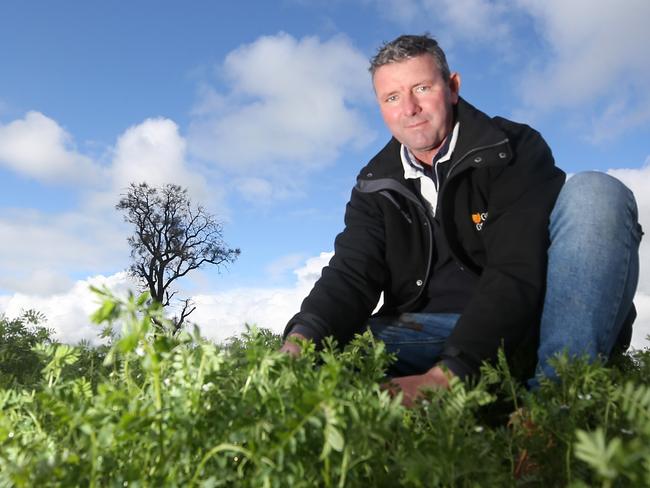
(290, 348)
(290, 345)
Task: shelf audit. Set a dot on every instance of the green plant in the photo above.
(19, 363)
(159, 409)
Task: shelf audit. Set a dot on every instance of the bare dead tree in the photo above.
(172, 237)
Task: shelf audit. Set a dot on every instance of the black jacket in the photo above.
(493, 208)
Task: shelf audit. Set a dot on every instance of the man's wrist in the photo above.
(291, 346)
(296, 335)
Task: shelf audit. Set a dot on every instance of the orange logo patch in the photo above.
(479, 219)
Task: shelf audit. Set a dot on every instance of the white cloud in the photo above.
(638, 180)
(593, 49)
(289, 108)
(454, 21)
(477, 20)
(259, 191)
(210, 101)
(597, 56)
(283, 264)
(38, 147)
(219, 315)
(641, 328)
(38, 251)
(154, 152)
(622, 114)
(254, 189)
(223, 315)
(41, 282)
(41, 251)
(68, 313)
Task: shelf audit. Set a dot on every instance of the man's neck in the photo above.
(426, 157)
(436, 153)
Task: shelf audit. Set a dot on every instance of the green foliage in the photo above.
(19, 364)
(158, 409)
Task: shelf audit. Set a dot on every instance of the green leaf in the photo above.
(107, 311)
(593, 448)
(334, 438)
(142, 299)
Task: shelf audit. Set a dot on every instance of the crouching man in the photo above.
(466, 225)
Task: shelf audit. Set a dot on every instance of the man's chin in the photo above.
(421, 146)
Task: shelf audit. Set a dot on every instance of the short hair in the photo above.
(410, 46)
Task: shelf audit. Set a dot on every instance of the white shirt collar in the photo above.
(413, 168)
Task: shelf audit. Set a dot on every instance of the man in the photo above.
(457, 221)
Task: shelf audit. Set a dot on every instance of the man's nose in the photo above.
(410, 105)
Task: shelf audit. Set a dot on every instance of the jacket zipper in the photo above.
(429, 224)
(458, 261)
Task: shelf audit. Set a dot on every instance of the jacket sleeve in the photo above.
(505, 309)
(350, 285)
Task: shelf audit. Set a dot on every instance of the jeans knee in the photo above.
(596, 196)
(594, 188)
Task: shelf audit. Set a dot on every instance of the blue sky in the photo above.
(264, 110)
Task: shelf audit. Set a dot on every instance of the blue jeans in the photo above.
(593, 269)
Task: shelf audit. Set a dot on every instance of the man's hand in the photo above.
(290, 347)
(412, 386)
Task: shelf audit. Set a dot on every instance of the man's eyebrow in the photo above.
(425, 81)
(388, 94)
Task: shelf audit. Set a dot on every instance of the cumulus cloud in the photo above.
(455, 21)
(278, 267)
(39, 251)
(255, 190)
(220, 315)
(224, 315)
(68, 312)
(154, 152)
(641, 328)
(638, 180)
(596, 56)
(38, 147)
(289, 107)
(478, 20)
(592, 49)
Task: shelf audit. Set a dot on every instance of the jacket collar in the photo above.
(477, 129)
(481, 142)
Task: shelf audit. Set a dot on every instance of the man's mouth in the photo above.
(416, 124)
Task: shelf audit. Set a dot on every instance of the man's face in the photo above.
(416, 103)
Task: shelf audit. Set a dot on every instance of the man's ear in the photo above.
(454, 87)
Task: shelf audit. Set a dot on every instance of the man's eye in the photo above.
(392, 98)
(422, 88)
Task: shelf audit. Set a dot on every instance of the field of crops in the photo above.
(154, 409)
